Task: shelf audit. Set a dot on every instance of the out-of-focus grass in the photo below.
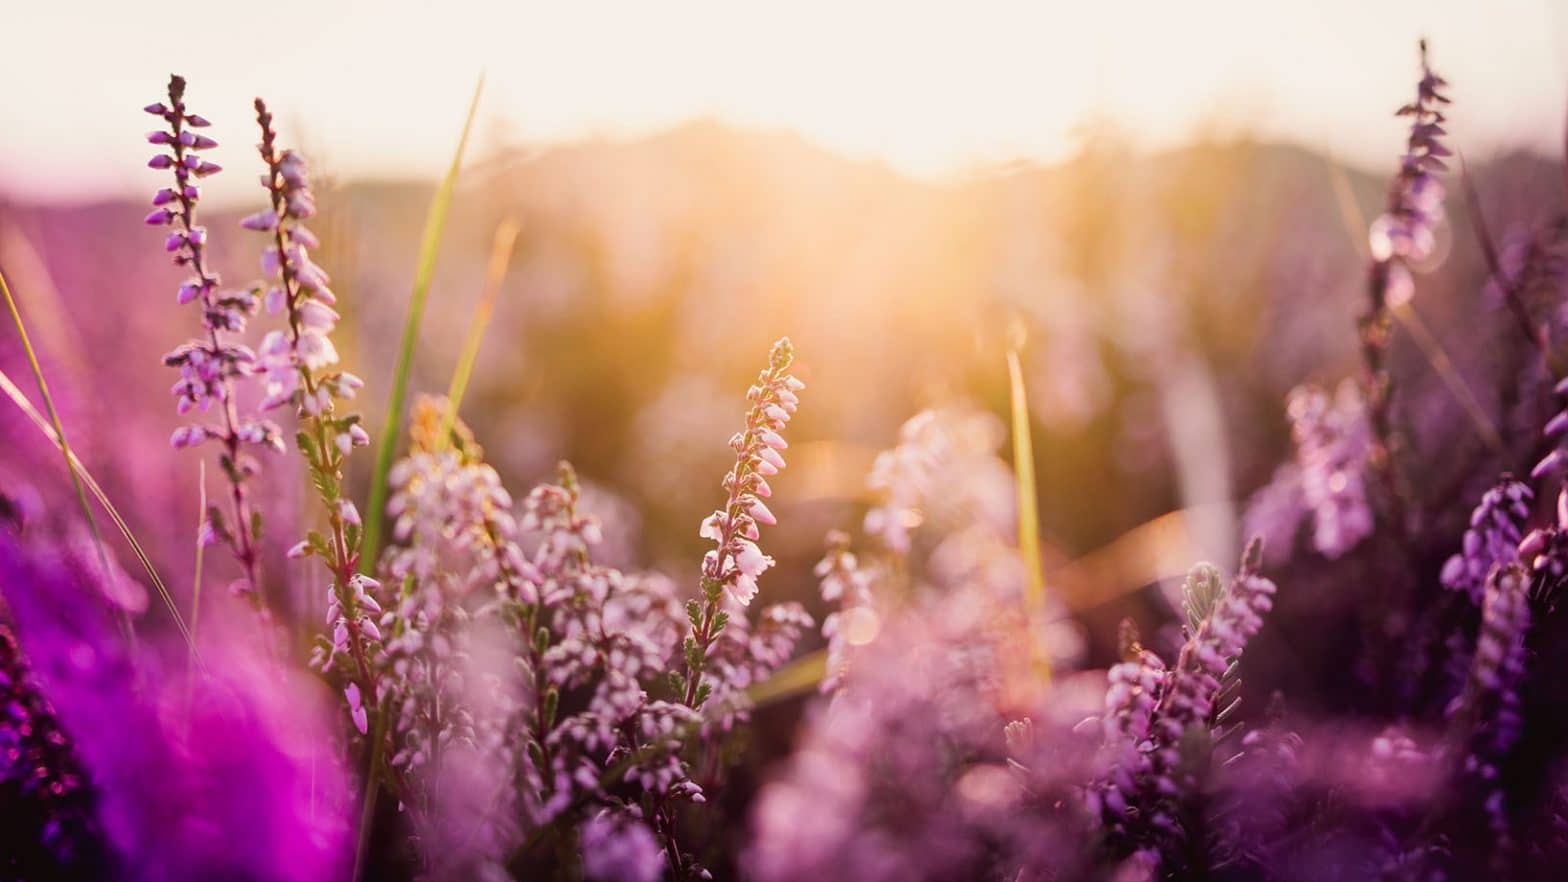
(430, 246)
(495, 273)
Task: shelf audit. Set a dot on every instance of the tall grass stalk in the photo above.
(495, 273)
(1028, 506)
(386, 446)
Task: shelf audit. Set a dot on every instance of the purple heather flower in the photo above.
(1133, 690)
(1188, 700)
(1490, 703)
(855, 622)
(221, 772)
(731, 569)
(213, 366)
(1333, 444)
(944, 466)
(51, 826)
(1492, 539)
(617, 848)
(1554, 462)
(1406, 231)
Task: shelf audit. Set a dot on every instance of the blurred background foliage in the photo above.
(1170, 300)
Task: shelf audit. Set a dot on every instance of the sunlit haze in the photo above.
(933, 88)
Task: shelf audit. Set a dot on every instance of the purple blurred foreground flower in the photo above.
(48, 807)
(230, 774)
(1327, 481)
(1492, 539)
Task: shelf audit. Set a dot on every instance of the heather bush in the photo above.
(489, 692)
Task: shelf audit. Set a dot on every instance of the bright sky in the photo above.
(933, 87)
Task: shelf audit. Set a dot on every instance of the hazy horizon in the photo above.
(379, 90)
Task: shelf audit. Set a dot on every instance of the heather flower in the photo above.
(944, 466)
(1406, 231)
(226, 773)
(295, 364)
(855, 622)
(1492, 539)
(212, 367)
(1489, 707)
(731, 569)
(1222, 620)
(1327, 480)
(1133, 690)
(48, 808)
(920, 769)
(1553, 463)
(618, 848)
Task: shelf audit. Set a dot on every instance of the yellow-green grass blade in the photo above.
(386, 446)
(500, 259)
(799, 676)
(1028, 506)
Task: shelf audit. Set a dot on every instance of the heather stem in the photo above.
(240, 535)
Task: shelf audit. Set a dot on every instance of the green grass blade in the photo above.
(386, 446)
(15, 394)
(500, 259)
(126, 624)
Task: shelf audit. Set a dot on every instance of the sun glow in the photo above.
(931, 88)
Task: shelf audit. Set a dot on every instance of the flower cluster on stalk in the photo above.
(1326, 482)
(213, 366)
(1492, 539)
(1489, 707)
(844, 581)
(298, 367)
(732, 567)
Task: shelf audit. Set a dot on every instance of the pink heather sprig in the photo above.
(1489, 707)
(734, 565)
(211, 367)
(1194, 686)
(1492, 539)
(1132, 692)
(50, 802)
(845, 582)
(1333, 445)
(296, 364)
(1405, 232)
(1555, 462)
